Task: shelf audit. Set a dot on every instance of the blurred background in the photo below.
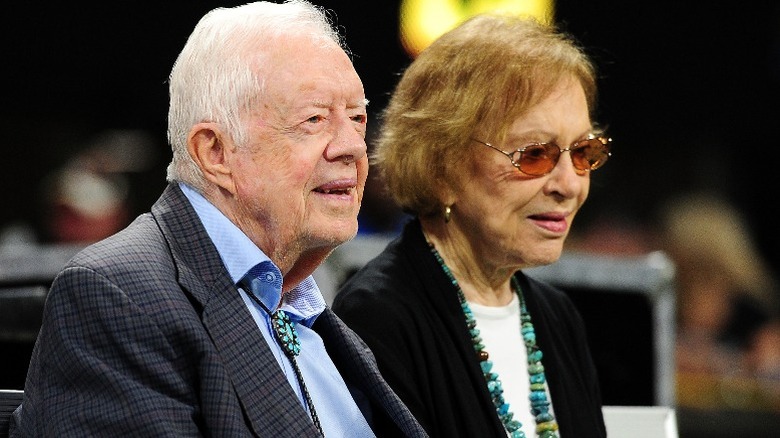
(688, 90)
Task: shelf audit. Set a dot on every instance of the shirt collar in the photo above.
(239, 254)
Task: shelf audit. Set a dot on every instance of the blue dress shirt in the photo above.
(336, 409)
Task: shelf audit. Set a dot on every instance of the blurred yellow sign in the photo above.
(422, 21)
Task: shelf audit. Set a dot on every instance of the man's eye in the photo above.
(361, 118)
(314, 119)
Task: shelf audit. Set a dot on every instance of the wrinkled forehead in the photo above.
(303, 57)
(302, 72)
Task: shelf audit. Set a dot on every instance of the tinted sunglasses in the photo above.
(538, 159)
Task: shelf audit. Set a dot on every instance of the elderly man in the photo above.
(202, 317)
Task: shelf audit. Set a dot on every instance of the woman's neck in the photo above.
(481, 282)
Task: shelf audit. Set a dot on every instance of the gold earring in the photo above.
(447, 213)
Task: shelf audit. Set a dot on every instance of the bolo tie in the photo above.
(285, 334)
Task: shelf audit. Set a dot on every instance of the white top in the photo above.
(500, 331)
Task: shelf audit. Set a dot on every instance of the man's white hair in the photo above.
(216, 77)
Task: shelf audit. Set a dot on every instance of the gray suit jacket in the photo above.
(144, 334)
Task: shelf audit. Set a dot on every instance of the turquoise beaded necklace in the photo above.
(546, 426)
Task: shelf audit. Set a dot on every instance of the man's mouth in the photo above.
(338, 187)
(334, 191)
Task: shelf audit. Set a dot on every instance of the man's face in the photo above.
(299, 182)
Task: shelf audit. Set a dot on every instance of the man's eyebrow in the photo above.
(319, 103)
(363, 103)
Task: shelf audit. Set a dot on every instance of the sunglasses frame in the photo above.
(605, 142)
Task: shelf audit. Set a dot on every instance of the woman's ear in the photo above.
(447, 194)
(208, 147)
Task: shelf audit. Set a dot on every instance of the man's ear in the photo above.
(209, 147)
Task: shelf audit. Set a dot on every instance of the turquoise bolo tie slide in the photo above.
(285, 333)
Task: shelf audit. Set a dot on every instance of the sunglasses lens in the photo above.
(539, 159)
(589, 154)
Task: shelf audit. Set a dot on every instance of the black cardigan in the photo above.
(405, 308)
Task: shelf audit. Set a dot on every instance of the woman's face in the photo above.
(512, 220)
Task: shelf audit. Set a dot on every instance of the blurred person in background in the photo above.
(83, 205)
(728, 323)
(488, 142)
(92, 195)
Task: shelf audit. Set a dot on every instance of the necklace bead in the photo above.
(546, 426)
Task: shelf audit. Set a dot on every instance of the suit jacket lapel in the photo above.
(357, 365)
(269, 403)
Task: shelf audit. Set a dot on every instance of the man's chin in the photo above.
(336, 232)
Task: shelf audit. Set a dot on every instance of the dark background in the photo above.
(689, 91)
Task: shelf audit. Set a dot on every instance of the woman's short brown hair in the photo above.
(476, 78)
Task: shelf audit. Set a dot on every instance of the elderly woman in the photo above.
(488, 141)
